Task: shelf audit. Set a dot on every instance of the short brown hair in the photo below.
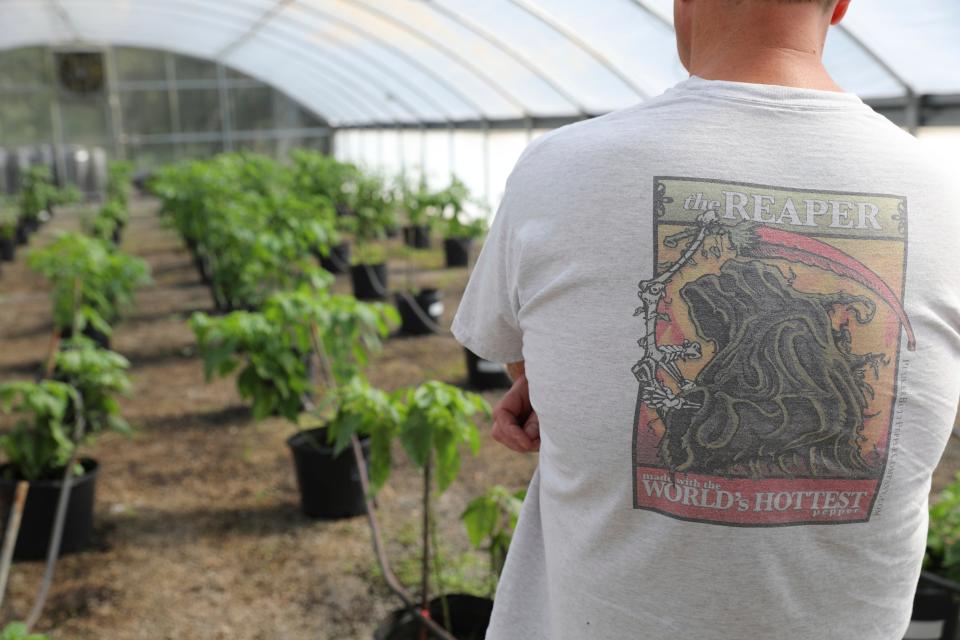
(826, 3)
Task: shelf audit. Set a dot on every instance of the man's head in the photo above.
(700, 24)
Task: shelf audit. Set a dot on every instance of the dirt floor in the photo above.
(198, 530)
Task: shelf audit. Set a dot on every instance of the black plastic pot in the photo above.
(457, 251)
(338, 260)
(483, 374)
(99, 338)
(417, 236)
(22, 235)
(41, 508)
(8, 248)
(369, 281)
(419, 313)
(469, 618)
(329, 485)
(935, 609)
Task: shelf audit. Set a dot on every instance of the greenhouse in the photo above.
(235, 234)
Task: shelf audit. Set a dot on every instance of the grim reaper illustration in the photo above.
(784, 393)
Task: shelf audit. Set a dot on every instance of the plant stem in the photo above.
(56, 536)
(425, 558)
(388, 575)
(391, 579)
(10, 537)
(438, 572)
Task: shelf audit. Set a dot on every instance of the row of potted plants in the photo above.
(278, 216)
(110, 220)
(34, 205)
(299, 354)
(301, 357)
(75, 396)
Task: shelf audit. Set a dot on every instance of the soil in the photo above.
(198, 529)
(198, 532)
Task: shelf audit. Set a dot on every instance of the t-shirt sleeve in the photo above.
(486, 322)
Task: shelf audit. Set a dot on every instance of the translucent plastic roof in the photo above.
(359, 62)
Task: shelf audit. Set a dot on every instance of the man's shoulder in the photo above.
(600, 133)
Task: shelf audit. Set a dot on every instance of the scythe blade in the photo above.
(777, 243)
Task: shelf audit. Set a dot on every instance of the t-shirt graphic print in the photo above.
(769, 341)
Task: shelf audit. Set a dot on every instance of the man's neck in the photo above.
(753, 51)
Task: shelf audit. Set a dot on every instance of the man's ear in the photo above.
(839, 12)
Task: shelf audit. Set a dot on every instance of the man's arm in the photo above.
(515, 423)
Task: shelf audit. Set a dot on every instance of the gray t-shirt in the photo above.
(739, 312)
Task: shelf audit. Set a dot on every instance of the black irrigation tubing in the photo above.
(56, 536)
(381, 290)
(378, 286)
(337, 262)
(391, 579)
(940, 581)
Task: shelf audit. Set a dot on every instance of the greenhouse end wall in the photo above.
(147, 105)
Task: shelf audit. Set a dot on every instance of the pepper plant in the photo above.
(490, 521)
(943, 536)
(419, 202)
(8, 221)
(451, 214)
(363, 410)
(39, 194)
(119, 182)
(100, 377)
(92, 284)
(251, 231)
(375, 212)
(273, 347)
(435, 425)
(39, 445)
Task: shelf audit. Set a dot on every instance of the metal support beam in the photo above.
(444, 50)
(510, 51)
(114, 108)
(257, 25)
(173, 96)
(63, 16)
(397, 52)
(582, 44)
(644, 5)
(319, 41)
(226, 118)
(486, 162)
(360, 99)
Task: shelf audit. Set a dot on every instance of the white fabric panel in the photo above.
(133, 21)
(362, 61)
(599, 90)
(416, 94)
(391, 162)
(855, 70)
(272, 60)
(475, 90)
(468, 161)
(920, 40)
(412, 150)
(35, 23)
(437, 156)
(491, 53)
(626, 34)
